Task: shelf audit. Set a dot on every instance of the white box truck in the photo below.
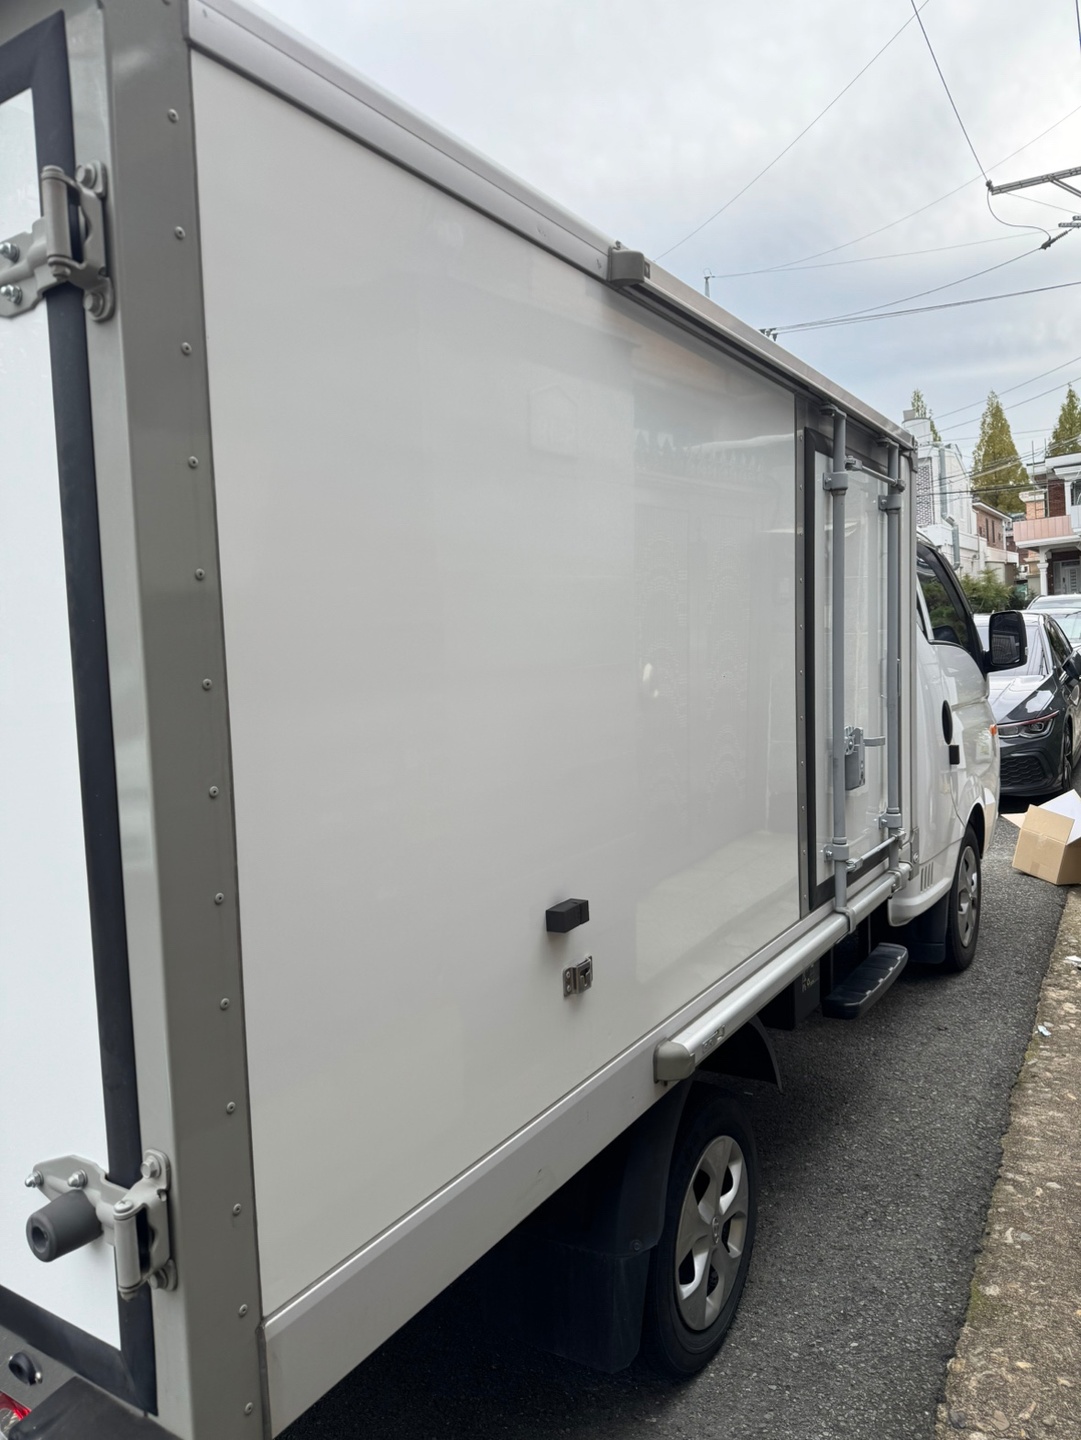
(456, 684)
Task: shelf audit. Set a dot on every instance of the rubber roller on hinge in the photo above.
(67, 1223)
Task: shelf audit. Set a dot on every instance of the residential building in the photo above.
(944, 506)
(1051, 529)
(998, 548)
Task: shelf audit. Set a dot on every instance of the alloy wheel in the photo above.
(968, 896)
(712, 1231)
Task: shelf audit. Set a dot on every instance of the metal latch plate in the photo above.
(578, 978)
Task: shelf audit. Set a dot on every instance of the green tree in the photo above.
(919, 407)
(985, 593)
(997, 473)
(1066, 437)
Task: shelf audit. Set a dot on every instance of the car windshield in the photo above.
(1036, 663)
(1071, 624)
(1054, 602)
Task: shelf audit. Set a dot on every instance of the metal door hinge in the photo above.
(84, 1206)
(43, 256)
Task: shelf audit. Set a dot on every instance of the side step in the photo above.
(867, 983)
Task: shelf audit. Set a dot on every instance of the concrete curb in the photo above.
(1017, 1371)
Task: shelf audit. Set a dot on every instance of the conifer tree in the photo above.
(1066, 437)
(998, 477)
(919, 406)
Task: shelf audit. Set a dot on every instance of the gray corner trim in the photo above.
(284, 62)
(275, 56)
(150, 399)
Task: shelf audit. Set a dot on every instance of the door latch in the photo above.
(84, 1206)
(43, 256)
(578, 978)
(856, 743)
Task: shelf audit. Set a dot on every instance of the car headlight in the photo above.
(1030, 729)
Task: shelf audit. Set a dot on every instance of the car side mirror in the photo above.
(1007, 643)
(1073, 666)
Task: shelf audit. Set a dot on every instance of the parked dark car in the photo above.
(1037, 708)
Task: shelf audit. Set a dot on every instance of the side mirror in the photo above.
(1073, 666)
(1007, 643)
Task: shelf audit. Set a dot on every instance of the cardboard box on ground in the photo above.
(1049, 845)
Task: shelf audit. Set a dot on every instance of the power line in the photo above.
(902, 299)
(691, 233)
(775, 330)
(1009, 463)
(866, 259)
(976, 404)
(832, 249)
(1016, 404)
(1012, 224)
(949, 97)
(1047, 205)
(965, 439)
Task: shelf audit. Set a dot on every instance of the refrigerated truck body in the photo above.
(436, 725)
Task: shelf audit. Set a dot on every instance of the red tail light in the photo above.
(11, 1412)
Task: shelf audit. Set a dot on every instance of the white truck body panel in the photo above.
(46, 958)
(490, 644)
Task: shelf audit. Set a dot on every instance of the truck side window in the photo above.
(951, 620)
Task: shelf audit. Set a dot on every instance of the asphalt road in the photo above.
(878, 1162)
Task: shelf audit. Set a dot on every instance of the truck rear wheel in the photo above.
(699, 1266)
(963, 914)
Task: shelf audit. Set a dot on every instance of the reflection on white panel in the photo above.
(508, 579)
(52, 1089)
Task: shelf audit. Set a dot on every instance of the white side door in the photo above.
(68, 1086)
(865, 660)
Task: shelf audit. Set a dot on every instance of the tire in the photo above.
(963, 913)
(710, 1212)
(1066, 769)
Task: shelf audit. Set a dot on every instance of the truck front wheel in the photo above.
(963, 915)
(699, 1265)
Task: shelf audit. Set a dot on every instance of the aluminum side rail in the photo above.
(680, 1056)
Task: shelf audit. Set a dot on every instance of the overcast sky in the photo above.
(647, 118)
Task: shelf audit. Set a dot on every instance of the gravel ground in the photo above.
(878, 1165)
